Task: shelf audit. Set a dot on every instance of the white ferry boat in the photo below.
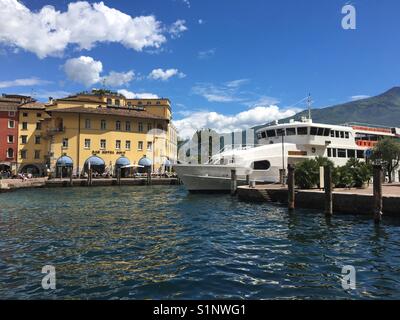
(278, 146)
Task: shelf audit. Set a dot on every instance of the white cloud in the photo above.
(48, 32)
(22, 82)
(201, 21)
(133, 95)
(187, 2)
(164, 75)
(116, 79)
(177, 28)
(83, 70)
(359, 97)
(229, 123)
(227, 92)
(87, 71)
(206, 54)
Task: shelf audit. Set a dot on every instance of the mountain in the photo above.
(383, 109)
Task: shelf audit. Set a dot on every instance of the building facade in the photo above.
(9, 130)
(101, 130)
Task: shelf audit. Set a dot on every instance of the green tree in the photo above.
(388, 150)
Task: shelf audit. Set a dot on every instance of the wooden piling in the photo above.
(233, 182)
(378, 196)
(119, 176)
(328, 190)
(247, 180)
(89, 181)
(148, 169)
(291, 187)
(70, 177)
(282, 173)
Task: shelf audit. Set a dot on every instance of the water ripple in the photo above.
(162, 243)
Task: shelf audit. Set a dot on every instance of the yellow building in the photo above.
(102, 128)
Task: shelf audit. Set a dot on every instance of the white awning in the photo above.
(132, 166)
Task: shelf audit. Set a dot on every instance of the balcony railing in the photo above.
(55, 130)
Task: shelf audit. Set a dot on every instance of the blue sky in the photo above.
(222, 63)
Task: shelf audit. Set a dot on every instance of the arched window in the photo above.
(10, 153)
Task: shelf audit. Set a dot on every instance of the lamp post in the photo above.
(281, 132)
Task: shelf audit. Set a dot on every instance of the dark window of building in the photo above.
(342, 134)
(25, 114)
(38, 126)
(103, 125)
(39, 115)
(329, 152)
(37, 139)
(37, 154)
(346, 134)
(341, 153)
(118, 125)
(360, 154)
(128, 126)
(337, 134)
(24, 139)
(87, 123)
(351, 153)
(109, 102)
(302, 131)
(117, 102)
(10, 153)
(261, 165)
(140, 127)
(334, 153)
(24, 125)
(290, 131)
(263, 135)
(23, 154)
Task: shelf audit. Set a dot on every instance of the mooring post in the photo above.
(291, 191)
(148, 175)
(328, 190)
(89, 182)
(282, 173)
(119, 176)
(70, 177)
(378, 200)
(233, 182)
(247, 180)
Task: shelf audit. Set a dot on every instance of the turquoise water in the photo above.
(162, 243)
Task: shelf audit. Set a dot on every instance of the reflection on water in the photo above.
(160, 242)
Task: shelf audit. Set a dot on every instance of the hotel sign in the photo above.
(108, 152)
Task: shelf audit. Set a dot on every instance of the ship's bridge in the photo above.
(306, 133)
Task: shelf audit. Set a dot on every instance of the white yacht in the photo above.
(280, 145)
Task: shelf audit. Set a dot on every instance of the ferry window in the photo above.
(351, 153)
(271, 133)
(346, 134)
(334, 153)
(327, 132)
(360, 154)
(337, 134)
(261, 165)
(302, 131)
(341, 153)
(320, 132)
(259, 135)
(290, 131)
(263, 135)
(280, 132)
(342, 134)
(329, 152)
(332, 133)
(313, 131)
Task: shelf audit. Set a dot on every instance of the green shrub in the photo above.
(307, 174)
(361, 172)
